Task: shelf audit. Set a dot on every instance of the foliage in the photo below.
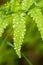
(22, 20)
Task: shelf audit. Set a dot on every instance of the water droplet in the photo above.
(23, 14)
(14, 38)
(15, 48)
(13, 26)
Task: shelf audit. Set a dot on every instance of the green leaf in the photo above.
(3, 23)
(26, 4)
(38, 18)
(40, 4)
(14, 5)
(19, 31)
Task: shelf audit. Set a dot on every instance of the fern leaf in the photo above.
(26, 4)
(40, 4)
(15, 5)
(38, 17)
(3, 24)
(19, 31)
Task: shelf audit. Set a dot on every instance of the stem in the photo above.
(10, 44)
(28, 61)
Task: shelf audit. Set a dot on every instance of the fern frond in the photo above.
(14, 5)
(38, 17)
(3, 23)
(19, 31)
(26, 4)
(40, 4)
